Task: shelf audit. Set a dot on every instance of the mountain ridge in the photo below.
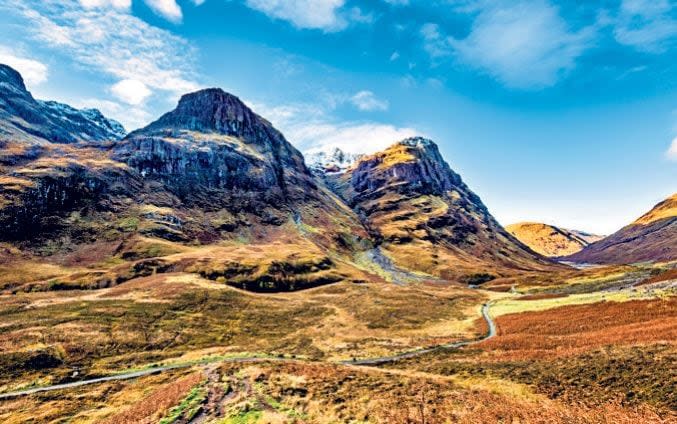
(549, 240)
(24, 117)
(651, 237)
(212, 171)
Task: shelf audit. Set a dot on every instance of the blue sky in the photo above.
(560, 112)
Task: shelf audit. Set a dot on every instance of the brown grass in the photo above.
(668, 275)
(326, 394)
(152, 408)
(571, 330)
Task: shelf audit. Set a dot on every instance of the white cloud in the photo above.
(119, 4)
(367, 101)
(352, 137)
(312, 129)
(111, 42)
(169, 9)
(394, 56)
(647, 25)
(33, 72)
(672, 150)
(308, 14)
(522, 44)
(166, 8)
(131, 91)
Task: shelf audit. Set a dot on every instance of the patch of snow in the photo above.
(331, 160)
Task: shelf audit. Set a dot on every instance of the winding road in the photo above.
(386, 359)
(356, 362)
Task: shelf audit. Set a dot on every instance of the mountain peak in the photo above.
(211, 110)
(11, 76)
(420, 142)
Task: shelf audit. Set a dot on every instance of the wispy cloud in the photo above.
(168, 9)
(672, 150)
(34, 72)
(327, 15)
(140, 61)
(367, 101)
(647, 25)
(112, 42)
(118, 4)
(522, 44)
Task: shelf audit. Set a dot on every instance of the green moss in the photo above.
(128, 224)
(244, 417)
(188, 407)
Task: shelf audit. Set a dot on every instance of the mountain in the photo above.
(425, 217)
(213, 188)
(209, 172)
(23, 117)
(549, 240)
(652, 237)
(218, 159)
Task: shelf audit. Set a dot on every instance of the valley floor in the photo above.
(587, 346)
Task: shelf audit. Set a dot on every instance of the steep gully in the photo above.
(251, 359)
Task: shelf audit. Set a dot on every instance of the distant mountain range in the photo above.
(551, 241)
(213, 171)
(24, 118)
(652, 237)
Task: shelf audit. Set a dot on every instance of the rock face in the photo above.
(652, 237)
(424, 215)
(214, 151)
(51, 162)
(23, 117)
(549, 240)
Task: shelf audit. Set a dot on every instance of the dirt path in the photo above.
(386, 359)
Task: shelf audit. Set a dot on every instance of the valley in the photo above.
(197, 270)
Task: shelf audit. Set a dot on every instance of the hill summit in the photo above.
(549, 240)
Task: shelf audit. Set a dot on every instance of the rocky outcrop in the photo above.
(213, 147)
(24, 118)
(652, 238)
